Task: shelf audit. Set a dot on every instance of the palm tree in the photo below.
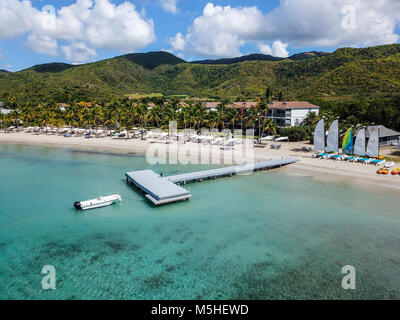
(47, 117)
(199, 114)
(141, 115)
(311, 119)
(251, 118)
(15, 115)
(184, 116)
(233, 116)
(269, 126)
(3, 120)
(28, 113)
(97, 116)
(69, 115)
(153, 116)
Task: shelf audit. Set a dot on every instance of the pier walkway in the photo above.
(161, 190)
(230, 171)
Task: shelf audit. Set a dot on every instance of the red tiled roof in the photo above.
(272, 105)
(243, 105)
(211, 105)
(292, 105)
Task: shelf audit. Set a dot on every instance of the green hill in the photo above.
(250, 57)
(346, 72)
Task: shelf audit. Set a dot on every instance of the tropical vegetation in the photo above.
(347, 73)
(125, 114)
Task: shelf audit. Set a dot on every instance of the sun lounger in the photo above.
(377, 162)
(364, 160)
(321, 155)
(335, 157)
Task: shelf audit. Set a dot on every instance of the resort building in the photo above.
(5, 111)
(290, 113)
(284, 113)
(211, 106)
(387, 137)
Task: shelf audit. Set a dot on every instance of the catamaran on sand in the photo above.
(97, 203)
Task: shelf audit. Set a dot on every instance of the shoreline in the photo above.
(354, 174)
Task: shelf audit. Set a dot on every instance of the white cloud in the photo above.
(42, 44)
(78, 52)
(15, 18)
(169, 5)
(222, 31)
(98, 24)
(278, 49)
(320, 23)
(178, 43)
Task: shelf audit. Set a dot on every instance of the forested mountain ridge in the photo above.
(350, 72)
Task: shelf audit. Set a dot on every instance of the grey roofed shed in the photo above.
(387, 136)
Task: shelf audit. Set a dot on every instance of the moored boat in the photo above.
(97, 203)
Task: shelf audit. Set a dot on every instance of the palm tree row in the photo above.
(126, 114)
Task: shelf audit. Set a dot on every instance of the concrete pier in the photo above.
(161, 190)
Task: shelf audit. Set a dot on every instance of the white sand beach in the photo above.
(357, 174)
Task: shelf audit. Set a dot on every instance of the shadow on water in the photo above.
(104, 153)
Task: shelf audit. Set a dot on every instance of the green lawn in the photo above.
(144, 95)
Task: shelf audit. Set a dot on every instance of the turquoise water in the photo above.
(264, 236)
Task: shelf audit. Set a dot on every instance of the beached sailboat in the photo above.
(319, 136)
(347, 146)
(359, 146)
(333, 138)
(373, 144)
(97, 203)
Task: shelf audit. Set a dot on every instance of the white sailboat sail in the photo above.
(373, 144)
(319, 136)
(359, 147)
(333, 137)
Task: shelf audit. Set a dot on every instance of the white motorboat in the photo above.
(97, 203)
(389, 164)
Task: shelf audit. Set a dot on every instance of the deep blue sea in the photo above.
(268, 235)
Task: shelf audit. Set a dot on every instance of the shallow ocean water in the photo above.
(268, 235)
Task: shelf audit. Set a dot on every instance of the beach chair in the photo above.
(321, 155)
(363, 160)
(378, 162)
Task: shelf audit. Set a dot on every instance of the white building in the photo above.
(5, 111)
(284, 113)
(290, 113)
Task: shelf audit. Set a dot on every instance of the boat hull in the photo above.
(97, 203)
(100, 205)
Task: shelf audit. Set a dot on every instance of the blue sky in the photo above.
(192, 29)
